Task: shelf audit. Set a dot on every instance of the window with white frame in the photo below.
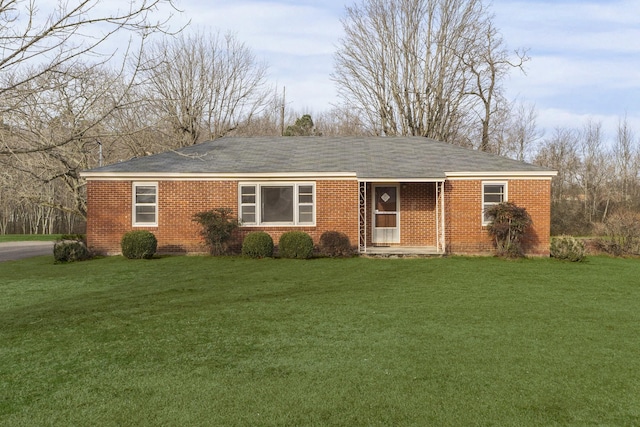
(145, 204)
(277, 203)
(493, 193)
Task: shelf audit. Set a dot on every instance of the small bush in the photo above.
(619, 235)
(75, 237)
(70, 251)
(508, 227)
(295, 244)
(335, 244)
(139, 244)
(218, 226)
(257, 244)
(567, 248)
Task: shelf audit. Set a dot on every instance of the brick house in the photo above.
(387, 194)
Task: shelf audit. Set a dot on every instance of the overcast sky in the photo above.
(585, 55)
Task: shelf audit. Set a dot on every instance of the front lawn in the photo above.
(233, 341)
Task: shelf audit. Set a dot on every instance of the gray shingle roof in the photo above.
(367, 157)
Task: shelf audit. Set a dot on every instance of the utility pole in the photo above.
(284, 89)
(99, 153)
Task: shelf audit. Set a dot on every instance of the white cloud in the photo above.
(297, 39)
(272, 27)
(567, 26)
(585, 59)
(585, 55)
(549, 119)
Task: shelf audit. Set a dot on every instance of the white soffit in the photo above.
(452, 176)
(125, 176)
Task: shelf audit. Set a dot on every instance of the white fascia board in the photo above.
(179, 176)
(452, 176)
(387, 180)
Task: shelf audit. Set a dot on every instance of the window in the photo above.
(145, 204)
(248, 204)
(305, 204)
(493, 193)
(277, 204)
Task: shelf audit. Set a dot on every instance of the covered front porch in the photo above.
(401, 218)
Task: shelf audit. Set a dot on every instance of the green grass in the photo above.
(28, 237)
(232, 341)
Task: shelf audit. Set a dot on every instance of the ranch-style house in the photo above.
(387, 194)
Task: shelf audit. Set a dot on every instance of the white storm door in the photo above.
(386, 215)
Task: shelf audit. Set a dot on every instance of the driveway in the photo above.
(10, 251)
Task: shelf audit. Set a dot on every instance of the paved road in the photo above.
(10, 251)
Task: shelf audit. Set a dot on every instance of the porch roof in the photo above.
(366, 158)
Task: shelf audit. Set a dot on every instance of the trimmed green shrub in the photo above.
(295, 244)
(139, 244)
(257, 244)
(335, 244)
(218, 226)
(70, 251)
(567, 248)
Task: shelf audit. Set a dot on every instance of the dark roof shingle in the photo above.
(367, 157)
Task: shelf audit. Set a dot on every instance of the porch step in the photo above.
(401, 251)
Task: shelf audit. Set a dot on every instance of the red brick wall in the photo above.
(109, 212)
(463, 204)
(417, 214)
(535, 196)
(336, 210)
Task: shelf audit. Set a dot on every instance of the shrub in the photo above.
(139, 244)
(508, 227)
(257, 244)
(295, 244)
(218, 226)
(70, 251)
(75, 237)
(335, 244)
(567, 248)
(619, 234)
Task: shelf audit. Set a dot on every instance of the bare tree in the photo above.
(270, 120)
(518, 132)
(398, 64)
(420, 67)
(595, 174)
(488, 63)
(625, 155)
(560, 152)
(56, 129)
(206, 85)
(63, 74)
(341, 121)
(39, 45)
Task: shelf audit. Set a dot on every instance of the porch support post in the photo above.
(362, 217)
(437, 185)
(442, 230)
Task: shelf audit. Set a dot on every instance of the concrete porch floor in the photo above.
(401, 251)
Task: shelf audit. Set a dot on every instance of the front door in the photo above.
(386, 215)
